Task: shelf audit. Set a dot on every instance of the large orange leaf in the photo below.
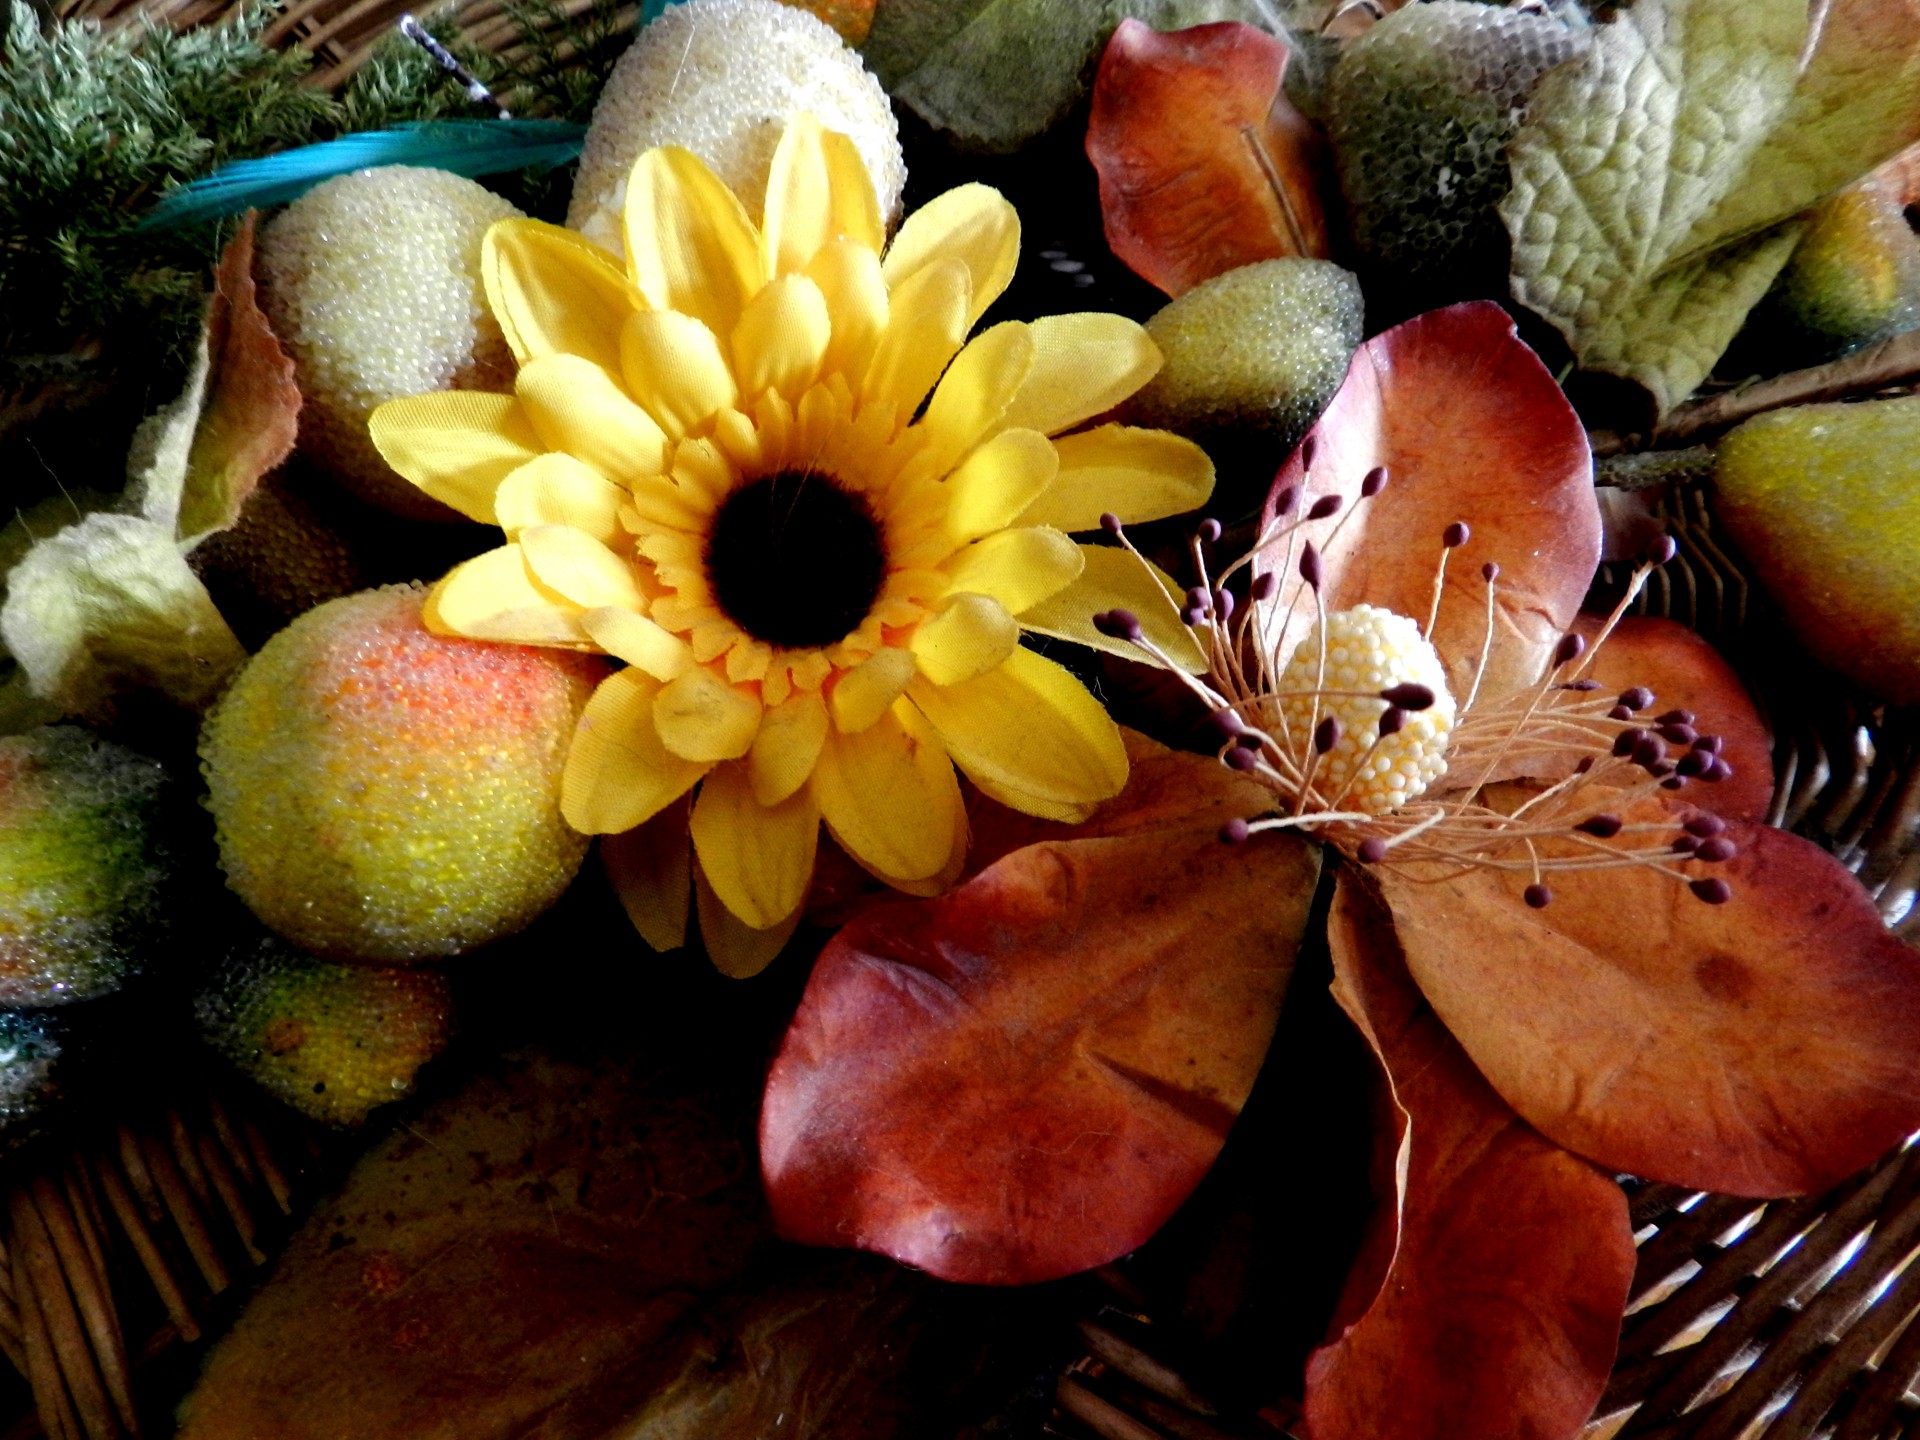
(1205, 165)
(1765, 1046)
(1685, 673)
(1024, 1077)
(1469, 427)
(1507, 1270)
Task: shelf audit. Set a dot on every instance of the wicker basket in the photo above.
(1785, 1319)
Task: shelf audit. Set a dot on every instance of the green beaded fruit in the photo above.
(83, 865)
(1824, 503)
(372, 282)
(37, 1051)
(1420, 110)
(383, 793)
(332, 1041)
(1251, 359)
(1854, 278)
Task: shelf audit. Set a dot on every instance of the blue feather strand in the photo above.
(466, 147)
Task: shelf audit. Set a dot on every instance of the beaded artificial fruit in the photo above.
(730, 466)
(1558, 919)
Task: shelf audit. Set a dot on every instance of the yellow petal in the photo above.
(618, 773)
(736, 949)
(1032, 805)
(863, 694)
(555, 292)
(781, 338)
(496, 597)
(972, 224)
(1019, 568)
(456, 445)
(637, 641)
(1139, 475)
(856, 294)
(787, 745)
(974, 393)
(889, 794)
(701, 717)
(576, 406)
(675, 369)
(1114, 580)
(690, 245)
(580, 568)
(1082, 365)
(557, 489)
(997, 483)
(758, 858)
(940, 880)
(651, 869)
(663, 502)
(1030, 728)
(926, 323)
(818, 191)
(967, 638)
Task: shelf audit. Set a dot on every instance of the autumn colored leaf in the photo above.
(1684, 672)
(1764, 1046)
(1499, 1308)
(1205, 165)
(249, 418)
(574, 1251)
(1469, 427)
(1023, 1078)
(108, 608)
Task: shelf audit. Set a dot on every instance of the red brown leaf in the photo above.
(1686, 673)
(1470, 427)
(1024, 1077)
(1205, 165)
(1499, 1308)
(252, 407)
(1765, 1046)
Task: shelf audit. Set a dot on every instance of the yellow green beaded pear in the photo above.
(1824, 501)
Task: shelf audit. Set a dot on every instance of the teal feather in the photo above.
(466, 147)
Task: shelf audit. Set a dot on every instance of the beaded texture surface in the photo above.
(82, 868)
(1367, 650)
(372, 282)
(722, 78)
(382, 793)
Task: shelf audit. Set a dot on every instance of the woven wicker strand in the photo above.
(158, 1215)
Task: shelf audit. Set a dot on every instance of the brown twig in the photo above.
(1893, 361)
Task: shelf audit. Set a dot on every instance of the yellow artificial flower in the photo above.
(766, 469)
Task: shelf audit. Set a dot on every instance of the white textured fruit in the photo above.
(372, 281)
(1367, 650)
(722, 78)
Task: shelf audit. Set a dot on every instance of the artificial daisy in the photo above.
(765, 467)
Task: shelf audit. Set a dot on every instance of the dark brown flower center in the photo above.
(795, 560)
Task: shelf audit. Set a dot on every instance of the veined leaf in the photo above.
(1650, 177)
(1204, 163)
(1024, 1077)
(1487, 1303)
